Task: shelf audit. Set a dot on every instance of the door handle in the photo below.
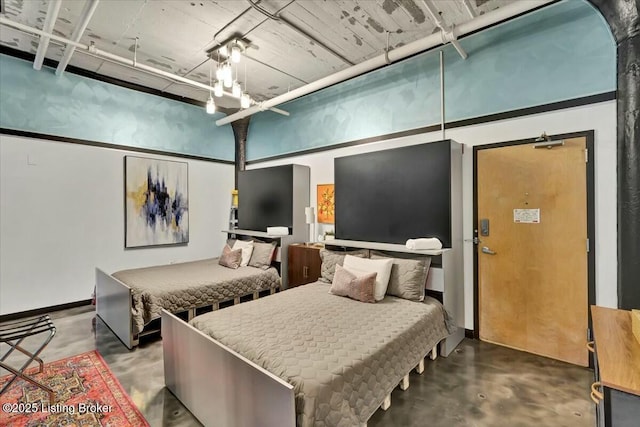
(486, 250)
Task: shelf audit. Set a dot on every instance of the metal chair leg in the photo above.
(13, 334)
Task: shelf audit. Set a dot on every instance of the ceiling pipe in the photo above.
(89, 7)
(49, 23)
(469, 7)
(92, 50)
(482, 21)
(278, 18)
(448, 33)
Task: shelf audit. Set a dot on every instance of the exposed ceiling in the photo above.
(299, 42)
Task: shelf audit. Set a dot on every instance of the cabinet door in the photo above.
(297, 255)
(311, 272)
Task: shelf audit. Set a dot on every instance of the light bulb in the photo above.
(218, 89)
(245, 100)
(236, 90)
(219, 73)
(211, 106)
(236, 53)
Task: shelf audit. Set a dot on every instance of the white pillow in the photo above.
(361, 266)
(247, 250)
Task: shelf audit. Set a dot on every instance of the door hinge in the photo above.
(586, 155)
(587, 245)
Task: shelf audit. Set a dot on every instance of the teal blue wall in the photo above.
(78, 107)
(561, 52)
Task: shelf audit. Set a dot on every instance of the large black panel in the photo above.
(265, 198)
(393, 195)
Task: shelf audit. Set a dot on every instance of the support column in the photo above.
(240, 132)
(623, 16)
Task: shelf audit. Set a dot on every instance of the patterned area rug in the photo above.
(87, 394)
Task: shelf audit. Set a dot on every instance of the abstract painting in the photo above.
(156, 202)
(326, 204)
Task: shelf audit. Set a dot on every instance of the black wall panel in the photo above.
(393, 195)
(265, 198)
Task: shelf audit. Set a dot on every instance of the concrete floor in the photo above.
(479, 384)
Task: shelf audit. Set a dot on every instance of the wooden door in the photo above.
(533, 291)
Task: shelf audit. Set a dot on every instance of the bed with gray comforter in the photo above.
(342, 356)
(183, 286)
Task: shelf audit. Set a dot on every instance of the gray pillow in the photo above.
(262, 255)
(332, 258)
(408, 275)
(230, 258)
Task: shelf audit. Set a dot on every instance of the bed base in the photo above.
(220, 387)
(113, 306)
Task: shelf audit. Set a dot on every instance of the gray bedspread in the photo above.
(342, 356)
(179, 287)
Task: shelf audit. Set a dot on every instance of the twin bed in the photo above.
(129, 301)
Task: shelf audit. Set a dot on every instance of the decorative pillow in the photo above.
(332, 258)
(262, 255)
(247, 249)
(361, 266)
(408, 275)
(346, 284)
(230, 258)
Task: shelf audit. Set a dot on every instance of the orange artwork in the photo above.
(326, 204)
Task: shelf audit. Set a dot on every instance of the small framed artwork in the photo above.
(156, 202)
(326, 204)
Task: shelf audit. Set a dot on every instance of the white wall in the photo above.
(599, 117)
(62, 215)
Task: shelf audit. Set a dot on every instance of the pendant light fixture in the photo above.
(236, 90)
(211, 105)
(236, 51)
(245, 99)
(218, 90)
(227, 74)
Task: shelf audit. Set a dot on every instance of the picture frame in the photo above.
(326, 204)
(156, 199)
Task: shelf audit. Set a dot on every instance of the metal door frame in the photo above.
(591, 235)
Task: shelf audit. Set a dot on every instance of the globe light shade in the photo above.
(211, 106)
(236, 90)
(245, 100)
(236, 54)
(218, 90)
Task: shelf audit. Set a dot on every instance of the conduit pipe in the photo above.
(448, 33)
(92, 50)
(470, 10)
(482, 21)
(85, 17)
(49, 23)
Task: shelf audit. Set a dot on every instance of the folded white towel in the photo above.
(278, 231)
(424, 243)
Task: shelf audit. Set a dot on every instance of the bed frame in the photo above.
(113, 305)
(220, 387)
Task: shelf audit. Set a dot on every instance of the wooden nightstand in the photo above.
(304, 264)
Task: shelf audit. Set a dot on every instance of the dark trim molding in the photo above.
(591, 224)
(111, 80)
(5, 50)
(35, 135)
(44, 310)
(554, 106)
(469, 333)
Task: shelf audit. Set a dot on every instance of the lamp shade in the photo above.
(309, 215)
